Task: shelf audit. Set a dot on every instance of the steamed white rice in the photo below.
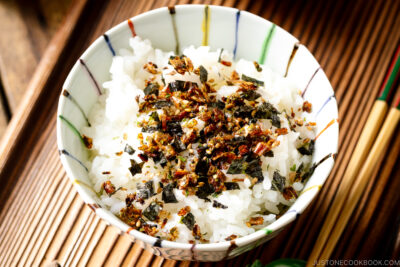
(114, 123)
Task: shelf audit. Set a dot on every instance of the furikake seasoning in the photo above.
(201, 161)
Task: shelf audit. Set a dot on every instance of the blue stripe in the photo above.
(109, 44)
(66, 153)
(236, 34)
(326, 102)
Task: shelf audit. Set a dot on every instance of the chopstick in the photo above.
(378, 150)
(368, 135)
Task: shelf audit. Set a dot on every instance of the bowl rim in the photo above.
(286, 218)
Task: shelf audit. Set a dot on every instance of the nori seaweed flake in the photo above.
(219, 104)
(135, 167)
(237, 140)
(177, 144)
(269, 154)
(307, 149)
(254, 170)
(250, 95)
(174, 128)
(202, 167)
(128, 149)
(152, 211)
(231, 186)
(248, 166)
(203, 74)
(216, 204)
(146, 190)
(252, 80)
(181, 86)
(189, 220)
(268, 111)
(237, 166)
(151, 88)
(162, 104)
(154, 116)
(205, 190)
(278, 181)
(168, 194)
(160, 158)
(243, 111)
(150, 129)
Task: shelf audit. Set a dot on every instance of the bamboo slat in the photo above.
(43, 220)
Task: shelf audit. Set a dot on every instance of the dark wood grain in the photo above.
(27, 27)
(353, 41)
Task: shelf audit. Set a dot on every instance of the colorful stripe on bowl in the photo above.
(325, 103)
(91, 76)
(172, 12)
(107, 39)
(206, 25)
(294, 50)
(236, 34)
(71, 127)
(309, 82)
(73, 100)
(265, 46)
(326, 127)
(66, 153)
(130, 24)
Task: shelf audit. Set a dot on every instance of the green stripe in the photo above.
(266, 43)
(72, 127)
(390, 81)
(267, 231)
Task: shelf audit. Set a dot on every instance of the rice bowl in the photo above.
(170, 29)
(212, 205)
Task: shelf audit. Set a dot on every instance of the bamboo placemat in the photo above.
(44, 221)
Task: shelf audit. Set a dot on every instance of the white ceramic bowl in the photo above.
(249, 37)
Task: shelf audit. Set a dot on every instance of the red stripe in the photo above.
(131, 27)
(397, 103)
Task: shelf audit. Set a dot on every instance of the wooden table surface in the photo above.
(43, 220)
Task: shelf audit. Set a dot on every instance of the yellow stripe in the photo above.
(206, 26)
(311, 187)
(84, 184)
